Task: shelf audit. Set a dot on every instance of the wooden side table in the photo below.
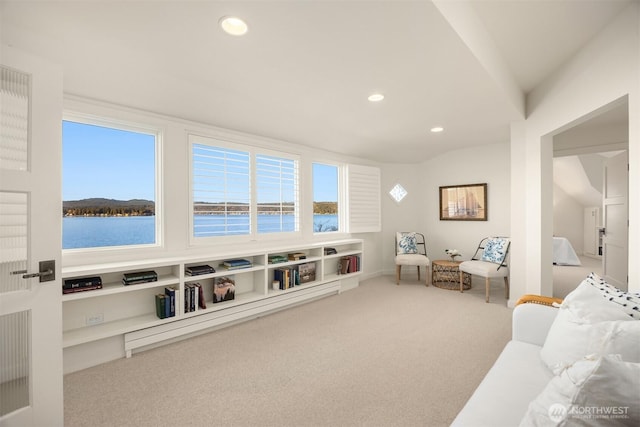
(446, 275)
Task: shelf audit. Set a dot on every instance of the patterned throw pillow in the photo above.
(495, 250)
(407, 243)
(629, 302)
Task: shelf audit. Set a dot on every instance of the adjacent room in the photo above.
(319, 213)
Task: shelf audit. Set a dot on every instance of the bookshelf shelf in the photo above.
(129, 312)
(118, 287)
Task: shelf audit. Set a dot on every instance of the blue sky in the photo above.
(117, 164)
(325, 178)
(105, 162)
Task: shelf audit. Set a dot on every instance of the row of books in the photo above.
(81, 284)
(166, 303)
(193, 297)
(349, 264)
(291, 276)
(139, 277)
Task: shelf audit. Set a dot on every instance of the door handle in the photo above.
(47, 271)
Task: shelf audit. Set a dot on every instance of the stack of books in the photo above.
(83, 284)
(139, 277)
(296, 256)
(197, 270)
(275, 259)
(234, 264)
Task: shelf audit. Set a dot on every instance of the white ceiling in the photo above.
(304, 70)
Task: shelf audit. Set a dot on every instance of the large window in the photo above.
(277, 192)
(108, 186)
(242, 191)
(221, 191)
(325, 198)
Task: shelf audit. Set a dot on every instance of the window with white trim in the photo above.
(242, 190)
(221, 183)
(277, 194)
(109, 184)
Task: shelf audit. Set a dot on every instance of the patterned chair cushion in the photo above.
(495, 250)
(407, 243)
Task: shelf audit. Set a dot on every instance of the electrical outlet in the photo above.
(95, 319)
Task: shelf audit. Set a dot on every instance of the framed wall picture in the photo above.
(463, 202)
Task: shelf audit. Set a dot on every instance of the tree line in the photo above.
(140, 207)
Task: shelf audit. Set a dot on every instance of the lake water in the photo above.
(94, 232)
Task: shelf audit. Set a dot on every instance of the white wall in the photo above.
(568, 218)
(403, 216)
(487, 164)
(603, 72)
(420, 211)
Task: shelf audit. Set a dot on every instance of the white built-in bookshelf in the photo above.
(129, 311)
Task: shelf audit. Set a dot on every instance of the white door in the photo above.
(30, 228)
(616, 220)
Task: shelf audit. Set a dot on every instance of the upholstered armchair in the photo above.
(489, 261)
(411, 250)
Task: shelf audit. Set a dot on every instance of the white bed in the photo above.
(563, 253)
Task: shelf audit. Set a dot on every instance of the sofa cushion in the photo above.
(571, 338)
(592, 392)
(504, 394)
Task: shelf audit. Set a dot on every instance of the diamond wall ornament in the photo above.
(398, 193)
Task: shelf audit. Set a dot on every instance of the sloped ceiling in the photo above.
(304, 70)
(581, 175)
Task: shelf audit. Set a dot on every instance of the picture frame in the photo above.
(463, 202)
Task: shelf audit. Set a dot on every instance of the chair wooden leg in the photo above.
(487, 283)
(398, 267)
(426, 275)
(506, 287)
(418, 273)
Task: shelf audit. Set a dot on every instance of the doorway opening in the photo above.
(581, 152)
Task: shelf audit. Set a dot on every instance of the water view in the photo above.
(96, 231)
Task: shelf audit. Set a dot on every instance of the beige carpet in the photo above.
(567, 277)
(378, 355)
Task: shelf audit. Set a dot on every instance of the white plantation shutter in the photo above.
(221, 191)
(277, 194)
(363, 195)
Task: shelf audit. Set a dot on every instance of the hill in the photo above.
(108, 207)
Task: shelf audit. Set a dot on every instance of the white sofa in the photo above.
(517, 377)
(574, 365)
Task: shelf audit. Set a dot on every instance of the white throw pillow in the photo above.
(628, 302)
(594, 391)
(570, 338)
(588, 303)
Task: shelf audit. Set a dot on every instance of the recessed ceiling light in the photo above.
(234, 26)
(376, 97)
(437, 129)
